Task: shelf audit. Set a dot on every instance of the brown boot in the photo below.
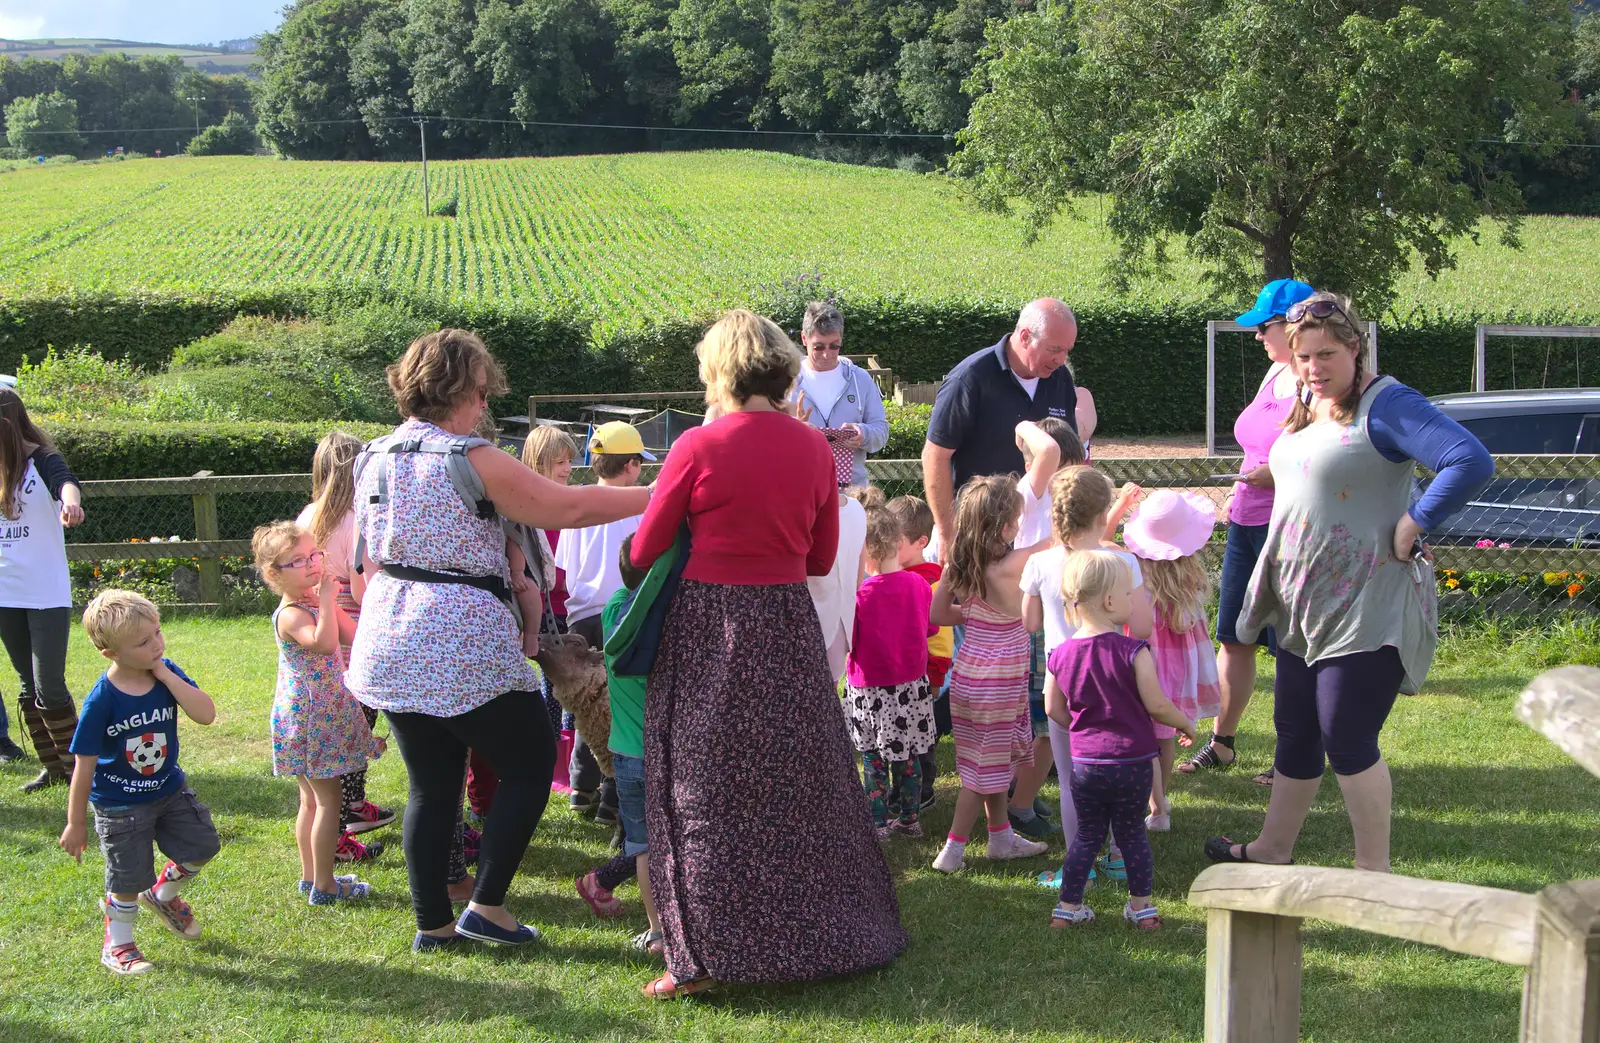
(54, 753)
(38, 731)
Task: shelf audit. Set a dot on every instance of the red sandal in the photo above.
(668, 988)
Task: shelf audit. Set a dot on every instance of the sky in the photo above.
(144, 21)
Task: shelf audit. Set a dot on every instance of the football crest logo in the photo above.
(147, 752)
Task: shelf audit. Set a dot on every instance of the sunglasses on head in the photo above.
(1318, 309)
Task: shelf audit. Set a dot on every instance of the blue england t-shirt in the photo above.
(135, 738)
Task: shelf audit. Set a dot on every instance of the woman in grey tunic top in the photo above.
(1344, 577)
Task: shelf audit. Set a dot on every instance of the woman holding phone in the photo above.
(1249, 510)
(838, 397)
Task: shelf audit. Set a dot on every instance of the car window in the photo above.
(1536, 433)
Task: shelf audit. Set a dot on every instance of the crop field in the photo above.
(632, 235)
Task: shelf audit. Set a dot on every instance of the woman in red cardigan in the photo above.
(741, 714)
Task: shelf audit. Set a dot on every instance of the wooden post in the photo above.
(1252, 977)
(1561, 998)
(205, 528)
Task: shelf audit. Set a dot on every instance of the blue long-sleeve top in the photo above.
(1403, 425)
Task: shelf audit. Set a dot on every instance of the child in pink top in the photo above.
(888, 704)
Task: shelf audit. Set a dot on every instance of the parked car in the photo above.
(1529, 511)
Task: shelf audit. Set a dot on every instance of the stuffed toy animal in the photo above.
(577, 675)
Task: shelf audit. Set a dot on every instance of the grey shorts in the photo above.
(178, 824)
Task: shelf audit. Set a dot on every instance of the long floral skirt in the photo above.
(763, 861)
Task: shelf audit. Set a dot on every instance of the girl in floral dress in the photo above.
(1166, 535)
(318, 731)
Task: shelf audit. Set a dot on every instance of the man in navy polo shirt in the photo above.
(973, 430)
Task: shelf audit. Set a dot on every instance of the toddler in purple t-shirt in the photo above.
(1102, 688)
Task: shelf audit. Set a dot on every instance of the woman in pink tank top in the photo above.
(1249, 511)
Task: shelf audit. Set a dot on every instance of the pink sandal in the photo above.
(605, 904)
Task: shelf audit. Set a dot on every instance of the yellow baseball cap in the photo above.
(618, 439)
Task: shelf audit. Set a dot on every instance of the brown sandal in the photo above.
(666, 988)
(1266, 777)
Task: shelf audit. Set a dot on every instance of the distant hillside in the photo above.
(230, 56)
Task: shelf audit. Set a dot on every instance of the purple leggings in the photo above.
(1335, 708)
(1109, 796)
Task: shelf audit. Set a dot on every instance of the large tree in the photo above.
(1324, 140)
(307, 104)
(44, 123)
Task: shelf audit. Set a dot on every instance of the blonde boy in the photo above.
(126, 747)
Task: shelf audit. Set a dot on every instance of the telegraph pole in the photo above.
(422, 133)
(194, 103)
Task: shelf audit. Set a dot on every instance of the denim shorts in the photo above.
(177, 823)
(629, 773)
(1036, 672)
(1238, 563)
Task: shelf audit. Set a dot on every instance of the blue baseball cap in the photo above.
(1274, 301)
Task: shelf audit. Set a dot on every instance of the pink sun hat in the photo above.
(1170, 525)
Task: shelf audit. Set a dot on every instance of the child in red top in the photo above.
(888, 704)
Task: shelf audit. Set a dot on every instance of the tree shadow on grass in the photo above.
(21, 1030)
(419, 994)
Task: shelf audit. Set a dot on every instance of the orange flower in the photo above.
(1574, 589)
(1452, 583)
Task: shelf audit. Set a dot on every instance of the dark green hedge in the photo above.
(178, 450)
(1146, 367)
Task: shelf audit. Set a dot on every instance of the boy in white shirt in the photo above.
(1047, 447)
(590, 558)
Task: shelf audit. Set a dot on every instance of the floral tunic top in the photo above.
(435, 648)
(1327, 578)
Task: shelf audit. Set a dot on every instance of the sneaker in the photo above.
(352, 850)
(1158, 823)
(1036, 828)
(435, 943)
(910, 830)
(304, 887)
(176, 914)
(584, 801)
(1042, 809)
(1008, 846)
(950, 859)
(471, 844)
(482, 929)
(884, 833)
(125, 959)
(368, 816)
(10, 751)
(432, 943)
(606, 815)
(343, 891)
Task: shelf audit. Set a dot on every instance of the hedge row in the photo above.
(1146, 367)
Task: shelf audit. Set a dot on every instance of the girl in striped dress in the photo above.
(989, 679)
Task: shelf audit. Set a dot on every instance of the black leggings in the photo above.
(1335, 708)
(36, 642)
(512, 732)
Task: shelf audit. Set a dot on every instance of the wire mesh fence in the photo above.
(1524, 550)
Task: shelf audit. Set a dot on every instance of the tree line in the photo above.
(56, 107)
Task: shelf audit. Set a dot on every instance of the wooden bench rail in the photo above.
(1477, 921)
(1563, 705)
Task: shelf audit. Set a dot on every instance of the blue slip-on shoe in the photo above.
(435, 943)
(481, 928)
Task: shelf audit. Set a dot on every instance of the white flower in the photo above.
(156, 539)
(174, 539)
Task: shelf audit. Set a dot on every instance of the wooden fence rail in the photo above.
(205, 489)
(1253, 958)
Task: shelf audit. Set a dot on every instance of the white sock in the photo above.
(119, 921)
(173, 879)
(1004, 836)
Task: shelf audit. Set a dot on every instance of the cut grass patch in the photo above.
(1478, 798)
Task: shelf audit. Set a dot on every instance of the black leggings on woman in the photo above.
(512, 732)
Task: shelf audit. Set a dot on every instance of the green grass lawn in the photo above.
(1479, 798)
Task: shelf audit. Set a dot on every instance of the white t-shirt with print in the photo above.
(1041, 577)
(592, 558)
